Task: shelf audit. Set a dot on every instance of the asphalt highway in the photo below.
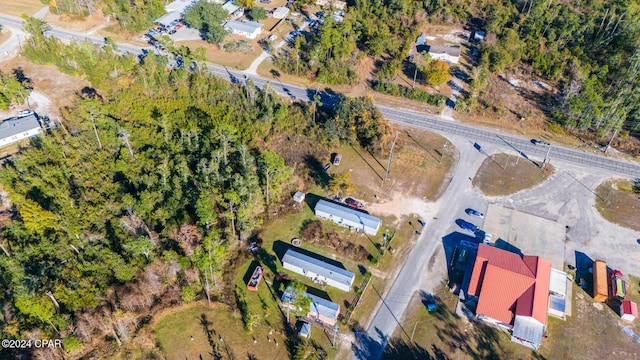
(395, 301)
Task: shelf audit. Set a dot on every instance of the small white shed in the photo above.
(298, 197)
(281, 12)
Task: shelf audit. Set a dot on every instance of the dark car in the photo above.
(467, 225)
(475, 213)
(540, 142)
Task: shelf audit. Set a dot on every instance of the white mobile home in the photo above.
(248, 29)
(349, 217)
(14, 130)
(317, 270)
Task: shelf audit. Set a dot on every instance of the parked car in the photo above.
(540, 142)
(467, 225)
(272, 37)
(475, 213)
(336, 159)
(25, 113)
(487, 239)
(354, 203)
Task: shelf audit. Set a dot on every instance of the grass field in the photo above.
(617, 203)
(19, 7)
(206, 325)
(590, 333)
(503, 174)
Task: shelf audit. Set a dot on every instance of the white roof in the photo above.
(230, 6)
(281, 11)
(169, 18)
(350, 215)
(11, 127)
(179, 5)
(558, 282)
(318, 267)
(243, 26)
(528, 328)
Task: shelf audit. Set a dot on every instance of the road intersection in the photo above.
(408, 280)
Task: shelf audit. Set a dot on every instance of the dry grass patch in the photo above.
(236, 60)
(206, 325)
(5, 34)
(589, 334)
(17, 8)
(49, 81)
(617, 203)
(503, 174)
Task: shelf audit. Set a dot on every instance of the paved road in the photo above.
(401, 116)
(384, 323)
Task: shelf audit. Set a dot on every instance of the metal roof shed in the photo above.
(317, 270)
(167, 19)
(345, 216)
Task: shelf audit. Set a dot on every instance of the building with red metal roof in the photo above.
(512, 292)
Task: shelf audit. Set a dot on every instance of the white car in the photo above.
(25, 113)
(488, 238)
(272, 37)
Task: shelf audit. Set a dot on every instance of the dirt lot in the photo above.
(17, 8)
(4, 35)
(617, 203)
(503, 174)
(47, 82)
(590, 333)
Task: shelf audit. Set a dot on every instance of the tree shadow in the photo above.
(369, 164)
(401, 349)
(19, 75)
(210, 333)
(317, 172)
(265, 258)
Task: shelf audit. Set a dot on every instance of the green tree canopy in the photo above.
(208, 17)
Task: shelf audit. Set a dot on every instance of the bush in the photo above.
(413, 94)
(257, 13)
(188, 295)
(313, 232)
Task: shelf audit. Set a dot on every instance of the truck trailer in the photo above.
(600, 281)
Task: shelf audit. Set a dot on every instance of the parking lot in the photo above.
(532, 235)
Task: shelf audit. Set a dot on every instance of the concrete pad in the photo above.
(186, 34)
(532, 235)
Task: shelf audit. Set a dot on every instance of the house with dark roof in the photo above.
(16, 129)
(317, 270)
(512, 292)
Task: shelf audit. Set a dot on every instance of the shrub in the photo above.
(413, 94)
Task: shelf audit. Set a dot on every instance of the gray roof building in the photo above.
(250, 29)
(319, 271)
(16, 129)
(349, 217)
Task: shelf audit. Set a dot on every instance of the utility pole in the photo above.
(444, 148)
(546, 156)
(390, 155)
(610, 141)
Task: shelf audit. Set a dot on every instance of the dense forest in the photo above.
(145, 191)
(588, 48)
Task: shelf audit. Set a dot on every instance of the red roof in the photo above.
(629, 307)
(507, 285)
